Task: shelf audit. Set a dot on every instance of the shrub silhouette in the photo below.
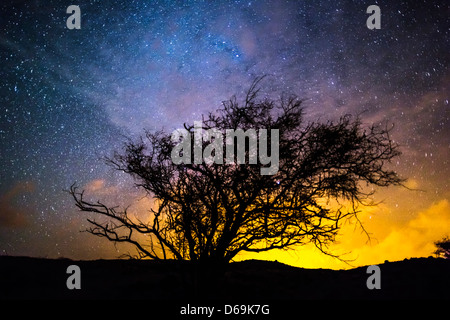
(443, 248)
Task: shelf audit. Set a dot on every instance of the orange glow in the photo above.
(390, 240)
(405, 225)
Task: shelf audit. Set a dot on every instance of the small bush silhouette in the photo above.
(443, 248)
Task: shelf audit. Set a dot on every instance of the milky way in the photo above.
(71, 97)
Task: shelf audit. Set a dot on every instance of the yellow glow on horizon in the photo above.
(398, 231)
(389, 241)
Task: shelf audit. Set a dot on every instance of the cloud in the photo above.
(11, 214)
(414, 239)
(98, 187)
(95, 186)
(390, 239)
(135, 200)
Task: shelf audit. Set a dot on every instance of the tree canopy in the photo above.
(213, 210)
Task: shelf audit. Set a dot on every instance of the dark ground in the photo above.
(34, 278)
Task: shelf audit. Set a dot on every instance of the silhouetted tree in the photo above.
(443, 248)
(211, 212)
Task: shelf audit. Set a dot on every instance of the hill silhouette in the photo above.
(36, 278)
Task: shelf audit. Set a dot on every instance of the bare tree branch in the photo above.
(211, 212)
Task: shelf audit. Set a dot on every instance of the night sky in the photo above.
(70, 97)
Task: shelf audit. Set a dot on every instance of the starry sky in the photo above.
(70, 97)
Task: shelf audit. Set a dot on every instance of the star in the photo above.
(69, 97)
